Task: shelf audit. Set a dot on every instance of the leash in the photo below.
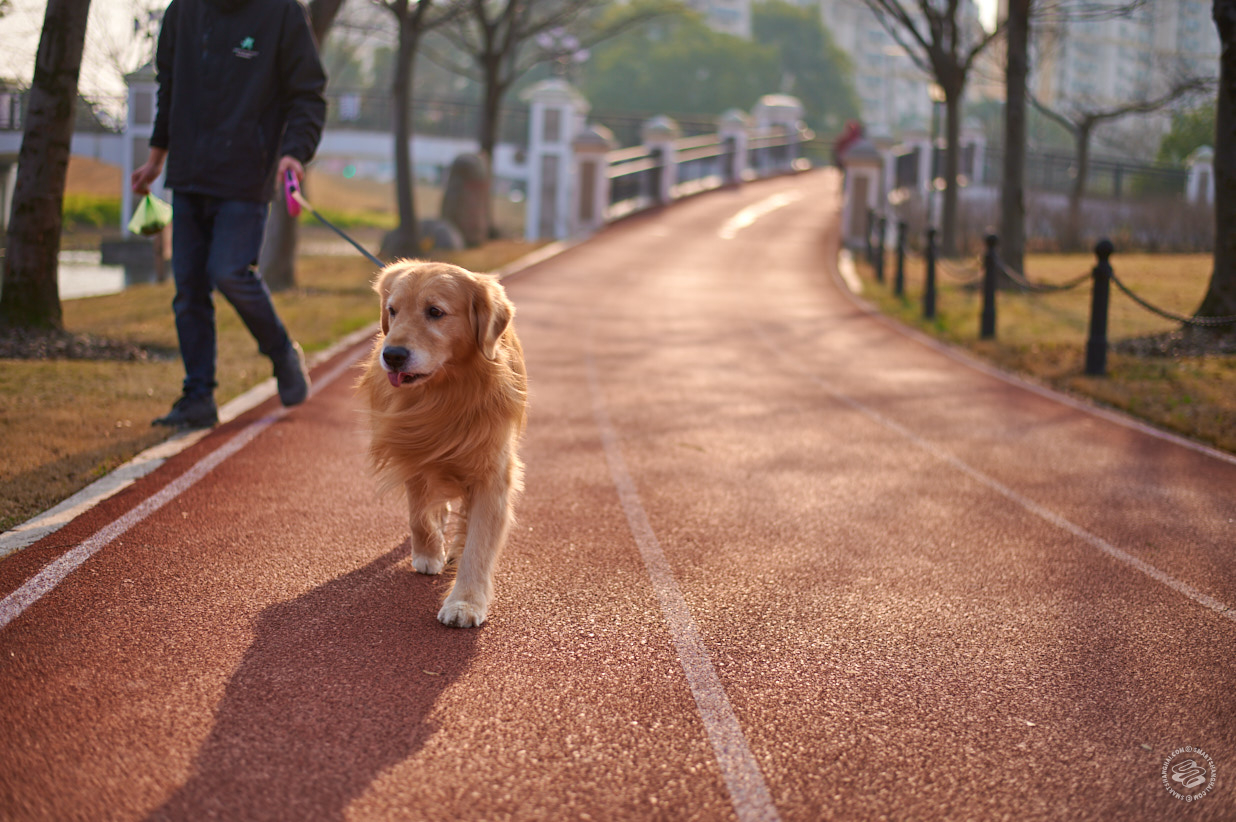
(296, 201)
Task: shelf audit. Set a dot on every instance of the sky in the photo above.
(108, 33)
(111, 29)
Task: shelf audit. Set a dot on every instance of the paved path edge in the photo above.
(55, 518)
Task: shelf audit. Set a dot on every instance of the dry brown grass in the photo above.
(65, 423)
(1043, 336)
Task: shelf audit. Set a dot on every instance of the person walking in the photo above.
(240, 103)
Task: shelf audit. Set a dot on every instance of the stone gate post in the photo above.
(138, 126)
(864, 190)
(734, 128)
(556, 114)
(658, 135)
(591, 195)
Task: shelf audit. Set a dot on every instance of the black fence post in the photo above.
(929, 288)
(991, 264)
(899, 280)
(882, 228)
(1096, 344)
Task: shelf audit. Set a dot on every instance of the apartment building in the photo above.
(891, 87)
(893, 91)
(1110, 60)
(729, 16)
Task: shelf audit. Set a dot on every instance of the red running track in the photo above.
(776, 559)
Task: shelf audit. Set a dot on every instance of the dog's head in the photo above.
(435, 315)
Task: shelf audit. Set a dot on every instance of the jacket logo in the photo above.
(245, 50)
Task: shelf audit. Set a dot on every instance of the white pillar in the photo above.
(659, 134)
(556, 115)
(138, 126)
(864, 167)
(784, 112)
(1200, 187)
(591, 196)
(974, 142)
(734, 129)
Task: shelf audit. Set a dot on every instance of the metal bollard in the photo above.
(882, 225)
(1096, 343)
(899, 280)
(929, 288)
(991, 264)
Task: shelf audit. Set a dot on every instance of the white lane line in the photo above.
(748, 792)
(751, 213)
(845, 269)
(1028, 504)
(52, 520)
(55, 572)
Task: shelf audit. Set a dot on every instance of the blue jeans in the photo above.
(215, 245)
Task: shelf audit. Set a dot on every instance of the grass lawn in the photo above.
(65, 423)
(1043, 336)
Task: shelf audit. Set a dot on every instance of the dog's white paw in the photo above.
(459, 613)
(428, 565)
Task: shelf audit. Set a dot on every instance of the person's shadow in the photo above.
(335, 688)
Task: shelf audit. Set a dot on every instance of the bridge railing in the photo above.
(579, 179)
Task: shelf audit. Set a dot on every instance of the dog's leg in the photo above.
(489, 521)
(425, 523)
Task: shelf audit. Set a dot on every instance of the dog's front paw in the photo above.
(460, 613)
(428, 565)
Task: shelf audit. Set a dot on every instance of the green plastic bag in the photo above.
(150, 216)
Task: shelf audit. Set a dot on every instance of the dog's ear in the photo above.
(383, 284)
(491, 312)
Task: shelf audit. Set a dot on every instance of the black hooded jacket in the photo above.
(240, 85)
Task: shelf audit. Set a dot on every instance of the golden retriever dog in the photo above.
(447, 398)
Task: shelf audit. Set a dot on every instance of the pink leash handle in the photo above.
(290, 189)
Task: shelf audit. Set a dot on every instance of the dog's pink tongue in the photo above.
(395, 377)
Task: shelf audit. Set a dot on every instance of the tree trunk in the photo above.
(404, 241)
(31, 294)
(1077, 194)
(1220, 299)
(491, 123)
(277, 261)
(952, 129)
(1013, 188)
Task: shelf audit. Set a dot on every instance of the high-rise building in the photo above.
(729, 16)
(892, 89)
(1108, 61)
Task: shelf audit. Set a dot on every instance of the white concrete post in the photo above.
(785, 112)
(734, 129)
(138, 126)
(864, 189)
(591, 196)
(659, 134)
(973, 138)
(1200, 187)
(556, 115)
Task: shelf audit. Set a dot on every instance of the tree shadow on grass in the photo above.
(336, 688)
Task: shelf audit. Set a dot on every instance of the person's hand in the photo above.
(290, 163)
(149, 171)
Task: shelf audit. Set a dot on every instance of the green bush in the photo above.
(90, 210)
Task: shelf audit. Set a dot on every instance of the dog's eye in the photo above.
(434, 313)
(390, 309)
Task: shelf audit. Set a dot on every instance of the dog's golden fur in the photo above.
(446, 393)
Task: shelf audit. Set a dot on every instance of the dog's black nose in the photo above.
(395, 357)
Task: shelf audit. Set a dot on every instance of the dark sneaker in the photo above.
(292, 376)
(191, 412)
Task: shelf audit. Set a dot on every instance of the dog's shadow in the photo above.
(336, 687)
